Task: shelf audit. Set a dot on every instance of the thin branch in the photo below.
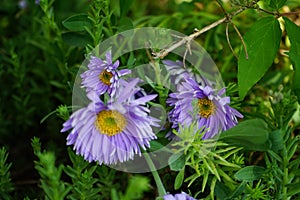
(266, 11)
(148, 52)
(164, 52)
(289, 13)
(241, 38)
(228, 41)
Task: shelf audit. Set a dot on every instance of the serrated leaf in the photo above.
(250, 173)
(177, 161)
(77, 22)
(293, 32)
(250, 134)
(262, 43)
(179, 179)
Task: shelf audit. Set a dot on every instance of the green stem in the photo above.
(285, 172)
(160, 89)
(159, 184)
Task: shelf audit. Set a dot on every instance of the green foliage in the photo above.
(51, 182)
(42, 47)
(78, 22)
(262, 43)
(177, 161)
(251, 134)
(137, 186)
(281, 161)
(250, 173)
(293, 32)
(84, 185)
(87, 181)
(179, 179)
(6, 186)
(212, 161)
(275, 4)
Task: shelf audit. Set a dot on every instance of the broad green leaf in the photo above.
(251, 134)
(250, 173)
(77, 22)
(177, 161)
(276, 4)
(179, 179)
(76, 39)
(262, 43)
(293, 32)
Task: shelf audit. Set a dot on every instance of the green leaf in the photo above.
(250, 173)
(76, 39)
(238, 191)
(276, 4)
(114, 194)
(293, 32)
(124, 25)
(293, 189)
(177, 161)
(251, 134)
(179, 179)
(262, 43)
(137, 186)
(221, 190)
(124, 6)
(77, 22)
(276, 140)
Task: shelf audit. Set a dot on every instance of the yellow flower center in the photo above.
(105, 77)
(110, 122)
(206, 107)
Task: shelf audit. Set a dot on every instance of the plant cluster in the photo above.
(235, 139)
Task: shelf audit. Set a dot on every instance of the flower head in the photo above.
(112, 132)
(203, 104)
(102, 75)
(178, 72)
(181, 196)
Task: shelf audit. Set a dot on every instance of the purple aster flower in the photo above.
(178, 72)
(112, 132)
(102, 75)
(181, 196)
(204, 105)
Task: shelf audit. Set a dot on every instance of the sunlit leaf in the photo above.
(262, 43)
(179, 179)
